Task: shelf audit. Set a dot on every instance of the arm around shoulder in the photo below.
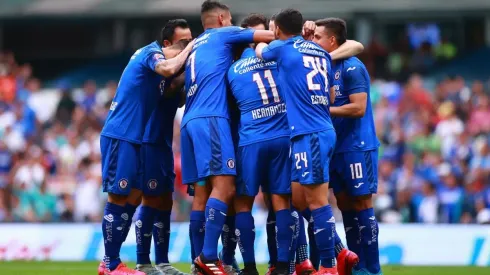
(348, 49)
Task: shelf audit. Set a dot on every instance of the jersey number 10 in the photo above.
(260, 84)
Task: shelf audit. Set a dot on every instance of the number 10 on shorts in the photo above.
(356, 170)
(301, 157)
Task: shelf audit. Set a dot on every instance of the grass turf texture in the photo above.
(90, 268)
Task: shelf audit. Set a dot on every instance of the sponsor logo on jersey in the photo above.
(337, 75)
(246, 65)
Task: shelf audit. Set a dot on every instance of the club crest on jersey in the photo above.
(152, 184)
(230, 163)
(158, 56)
(123, 183)
(162, 86)
(337, 75)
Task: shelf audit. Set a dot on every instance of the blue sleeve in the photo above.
(271, 52)
(152, 58)
(330, 76)
(237, 35)
(355, 80)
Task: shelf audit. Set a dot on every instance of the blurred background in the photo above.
(60, 62)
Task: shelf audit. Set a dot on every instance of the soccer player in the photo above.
(263, 152)
(354, 165)
(136, 98)
(158, 167)
(306, 66)
(207, 146)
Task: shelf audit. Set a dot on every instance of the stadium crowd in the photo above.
(434, 159)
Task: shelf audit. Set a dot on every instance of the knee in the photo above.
(344, 202)
(243, 204)
(317, 196)
(120, 200)
(280, 202)
(362, 202)
(135, 197)
(151, 201)
(199, 203)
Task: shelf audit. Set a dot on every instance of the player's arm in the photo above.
(237, 35)
(269, 52)
(346, 50)
(259, 49)
(332, 95)
(170, 67)
(355, 109)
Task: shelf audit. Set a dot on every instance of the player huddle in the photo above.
(290, 117)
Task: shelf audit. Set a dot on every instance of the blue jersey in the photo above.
(206, 68)
(353, 134)
(305, 74)
(254, 84)
(137, 95)
(160, 128)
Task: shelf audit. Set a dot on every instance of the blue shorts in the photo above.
(355, 172)
(264, 164)
(206, 149)
(121, 165)
(310, 157)
(157, 169)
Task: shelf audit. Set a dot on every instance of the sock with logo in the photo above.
(228, 238)
(314, 254)
(369, 230)
(302, 244)
(285, 230)
(294, 242)
(325, 234)
(111, 230)
(351, 228)
(129, 209)
(215, 219)
(246, 236)
(161, 236)
(143, 227)
(196, 228)
(339, 246)
(271, 237)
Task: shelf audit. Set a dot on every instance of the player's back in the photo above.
(206, 69)
(255, 85)
(353, 134)
(304, 69)
(136, 97)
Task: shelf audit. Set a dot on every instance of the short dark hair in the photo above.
(273, 17)
(210, 5)
(254, 19)
(290, 21)
(336, 26)
(168, 30)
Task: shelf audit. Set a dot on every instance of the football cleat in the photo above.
(326, 271)
(168, 269)
(304, 268)
(346, 260)
(101, 268)
(123, 269)
(209, 268)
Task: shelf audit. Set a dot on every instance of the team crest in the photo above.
(231, 164)
(337, 75)
(123, 183)
(158, 56)
(152, 184)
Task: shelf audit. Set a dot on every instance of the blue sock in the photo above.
(369, 239)
(302, 244)
(129, 209)
(246, 236)
(193, 253)
(161, 236)
(339, 246)
(351, 228)
(143, 227)
(215, 219)
(325, 234)
(112, 227)
(229, 240)
(284, 234)
(314, 254)
(196, 228)
(294, 242)
(271, 237)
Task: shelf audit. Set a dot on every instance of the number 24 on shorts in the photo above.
(301, 157)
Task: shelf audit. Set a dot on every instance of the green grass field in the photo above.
(89, 268)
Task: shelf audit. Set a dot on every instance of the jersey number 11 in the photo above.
(260, 84)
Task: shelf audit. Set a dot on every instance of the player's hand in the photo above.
(309, 30)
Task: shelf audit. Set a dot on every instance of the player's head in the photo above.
(330, 33)
(272, 23)
(255, 21)
(174, 31)
(289, 22)
(174, 49)
(215, 15)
